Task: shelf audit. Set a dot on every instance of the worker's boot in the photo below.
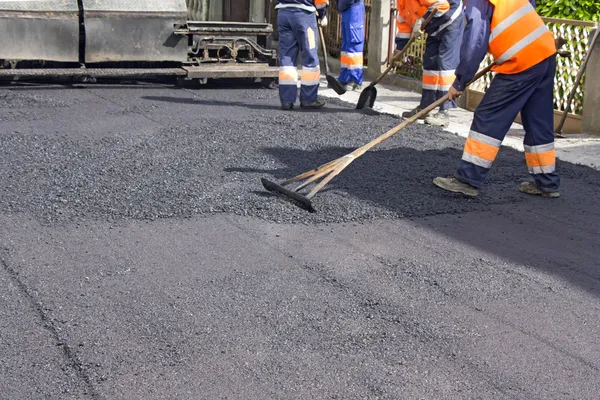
(351, 86)
(452, 184)
(531, 188)
(441, 118)
(287, 106)
(317, 104)
(411, 113)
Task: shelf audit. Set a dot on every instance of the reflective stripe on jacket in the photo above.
(519, 39)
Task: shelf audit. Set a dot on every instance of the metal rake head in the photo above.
(324, 173)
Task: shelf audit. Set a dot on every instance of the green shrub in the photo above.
(582, 10)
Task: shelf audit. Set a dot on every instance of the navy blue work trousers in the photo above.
(298, 32)
(353, 43)
(531, 93)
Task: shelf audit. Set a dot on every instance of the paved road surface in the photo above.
(140, 258)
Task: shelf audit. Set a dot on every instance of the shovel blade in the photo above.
(367, 98)
(335, 84)
(302, 200)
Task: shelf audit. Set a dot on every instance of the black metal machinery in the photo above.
(128, 39)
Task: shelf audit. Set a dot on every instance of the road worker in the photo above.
(444, 36)
(298, 31)
(353, 42)
(525, 55)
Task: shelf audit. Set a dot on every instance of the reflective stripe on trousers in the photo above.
(442, 55)
(288, 75)
(351, 60)
(298, 29)
(531, 93)
(310, 76)
(353, 40)
(438, 80)
(540, 159)
(481, 150)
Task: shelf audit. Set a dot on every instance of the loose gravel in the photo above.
(149, 151)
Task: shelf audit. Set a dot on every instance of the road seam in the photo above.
(48, 324)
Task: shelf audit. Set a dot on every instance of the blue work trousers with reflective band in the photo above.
(531, 93)
(353, 42)
(298, 32)
(442, 55)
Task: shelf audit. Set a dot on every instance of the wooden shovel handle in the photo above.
(400, 53)
(323, 45)
(428, 20)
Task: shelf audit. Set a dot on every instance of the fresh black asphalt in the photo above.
(142, 259)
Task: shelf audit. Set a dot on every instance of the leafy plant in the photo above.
(582, 10)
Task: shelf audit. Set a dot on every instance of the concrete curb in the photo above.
(411, 84)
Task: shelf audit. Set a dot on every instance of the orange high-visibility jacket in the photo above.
(519, 39)
(409, 11)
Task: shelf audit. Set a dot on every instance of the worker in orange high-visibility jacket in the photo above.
(298, 32)
(525, 55)
(442, 49)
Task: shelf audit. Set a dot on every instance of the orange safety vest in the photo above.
(409, 11)
(519, 38)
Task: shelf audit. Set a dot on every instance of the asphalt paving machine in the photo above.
(89, 39)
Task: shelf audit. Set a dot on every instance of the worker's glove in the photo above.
(322, 16)
(417, 33)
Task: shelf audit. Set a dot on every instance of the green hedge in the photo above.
(582, 10)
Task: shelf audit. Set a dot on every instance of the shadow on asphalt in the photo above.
(106, 83)
(65, 87)
(188, 100)
(560, 236)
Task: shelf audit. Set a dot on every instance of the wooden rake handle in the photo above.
(428, 20)
(361, 150)
(331, 169)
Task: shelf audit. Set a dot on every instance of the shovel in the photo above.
(328, 171)
(331, 80)
(369, 94)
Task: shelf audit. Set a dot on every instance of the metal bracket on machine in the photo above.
(133, 38)
(228, 41)
(232, 44)
(223, 28)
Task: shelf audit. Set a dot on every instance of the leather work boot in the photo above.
(408, 114)
(531, 188)
(452, 184)
(441, 118)
(287, 106)
(317, 104)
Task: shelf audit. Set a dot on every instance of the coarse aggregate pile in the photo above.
(150, 151)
